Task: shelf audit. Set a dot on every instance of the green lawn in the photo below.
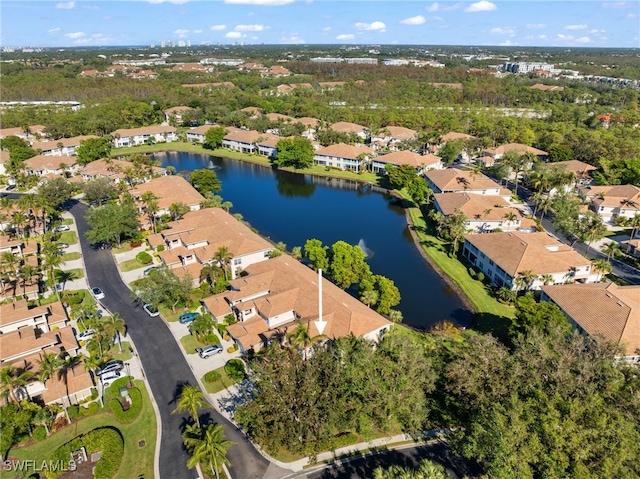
(130, 265)
(70, 256)
(69, 237)
(137, 460)
(125, 247)
(78, 273)
(190, 343)
(125, 355)
(225, 381)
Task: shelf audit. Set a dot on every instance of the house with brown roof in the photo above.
(4, 158)
(243, 141)
(274, 117)
(115, 170)
(580, 170)
(125, 137)
(310, 124)
(143, 75)
(61, 147)
(176, 112)
(518, 148)
(542, 87)
(198, 134)
(168, 189)
(343, 156)
(42, 165)
(602, 310)
(351, 128)
(613, 201)
(267, 146)
(32, 132)
(253, 111)
(195, 239)
(390, 136)
(463, 138)
(25, 252)
(421, 163)
(330, 85)
(502, 257)
(27, 334)
(484, 213)
(632, 246)
(453, 180)
(277, 295)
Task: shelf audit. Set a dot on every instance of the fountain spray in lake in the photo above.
(367, 252)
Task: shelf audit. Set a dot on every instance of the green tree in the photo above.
(348, 265)
(99, 189)
(295, 152)
(317, 254)
(602, 266)
(369, 297)
(11, 379)
(419, 191)
(49, 366)
(223, 256)
(163, 287)
(388, 294)
(214, 136)
(210, 449)
(531, 314)
(425, 470)
(55, 192)
(150, 206)
(206, 182)
(191, 400)
(113, 223)
(400, 176)
(178, 210)
(114, 327)
(93, 149)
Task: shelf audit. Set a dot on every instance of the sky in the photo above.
(484, 22)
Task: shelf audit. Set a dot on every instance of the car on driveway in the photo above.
(151, 310)
(63, 245)
(107, 378)
(150, 270)
(110, 366)
(61, 228)
(86, 335)
(97, 293)
(210, 350)
(188, 317)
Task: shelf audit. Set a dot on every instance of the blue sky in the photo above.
(483, 22)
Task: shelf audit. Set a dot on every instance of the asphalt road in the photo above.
(409, 456)
(166, 370)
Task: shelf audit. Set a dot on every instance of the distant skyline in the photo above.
(525, 23)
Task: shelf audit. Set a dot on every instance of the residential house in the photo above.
(421, 163)
(253, 111)
(32, 132)
(126, 137)
(117, 170)
(345, 157)
(26, 335)
(611, 202)
(243, 141)
(631, 246)
(351, 128)
(274, 117)
(330, 85)
(43, 165)
(503, 257)
(484, 213)
(176, 112)
(193, 241)
(602, 310)
(465, 155)
(25, 253)
(391, 136)
(275, 71)
(498, 152)
(540, 86)
(61, 147)
(143, 75)
(168, 189)
(310, 124)
(267, 146)
(4, 159)
(198, 134)
(581, 171)
(453, 180)
(277, 295)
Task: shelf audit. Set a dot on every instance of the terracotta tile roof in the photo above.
(66, 142)
(342, 150)
(278, 116)
(252, 109)
(627, 196)
(177, 109)
(479, 207)
(346, 127)
(245, 136)
(217, 306)
(307, 121)
(292, 285)
(540, 86)
(407, 157)
(169, 189)
(144, 130)
(399, 132)
(578, 168)
(515, 252)
(453, 179)
(452, 136)
(517, 147)
(18, 311)
(19, 131)
(25, 340)
(602, 309)
(48, 162)
(201, 130)
(331, 84)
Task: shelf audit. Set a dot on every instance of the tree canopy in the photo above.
(295, 152)
(206, 182)
(113, 223)
(93, 149)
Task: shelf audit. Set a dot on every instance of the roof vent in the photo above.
(620, 304)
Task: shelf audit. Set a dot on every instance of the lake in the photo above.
(292, 208)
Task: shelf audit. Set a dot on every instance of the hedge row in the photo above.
(133, 411)
(106, 439)
(212, 376)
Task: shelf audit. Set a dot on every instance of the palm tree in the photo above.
(191, 400)
(300, 338)
(209, 448)
(594, 229)
(210, 272)
(11, 379)
(178, 210)
(525, 279)
(27, 272)
(51, 261)
(510, 217)
(49, 366)
(114, 326)
(544, 206)
(602, 266)
(610, 249)
(62, 276)
(395, 316)
(635, 224)
(546, 279)
(150, 202)
(369, 297)
(223, 256)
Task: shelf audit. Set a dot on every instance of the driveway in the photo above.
(166, 369)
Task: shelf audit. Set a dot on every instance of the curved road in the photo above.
(166, 370)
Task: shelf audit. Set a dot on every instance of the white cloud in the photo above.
(292, 40)
(74, 35)
(615, 5)
(66, 5)
(326, 29)
(575, 27)
(511, 31)
(234, 35)
(197, 31)
(345, 36)
(372, 27)
(250, 28)
(507, 43)
(96, 35)
(417, 20)
(481, 6)
(632, 16)
(181, 33)
(54, 30)
(217, 28)
(536, 26)
(438, 7)
(542, 37)
(584, 39)
(597, 31)
(264, 3)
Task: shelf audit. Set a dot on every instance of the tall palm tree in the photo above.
(223, 256)
(62, 276)
(209, 449)
(191, 400)
(635, 224)
(610, 249)
(369, 297)
(525, 279)
(595, 229)
(51, 261)
(11, 379)
(150, 202)
(546, 278)
(27, 272)
(510, 217)
(211, 273)
(602, 266)
(49, 366)
(114, 326)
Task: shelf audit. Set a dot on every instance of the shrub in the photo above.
(160, 248)
(144, 257)
(94, 394)
(74, 412)
(73, 297)
(92, 408)
(134, 409)
(39, 434)
(480, 276)
(472, 272)
(235, 369)
(212, 376)
(114, 389)
(230, 350)
(343, 439)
